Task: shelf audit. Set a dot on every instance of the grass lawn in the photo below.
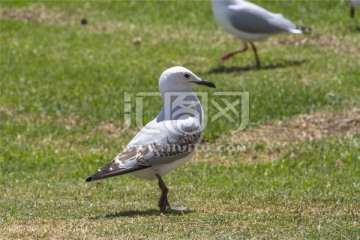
(293, 173)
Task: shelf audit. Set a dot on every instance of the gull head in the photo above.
(180, 79)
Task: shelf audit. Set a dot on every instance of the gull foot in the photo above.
(178, 208)
(224, 58)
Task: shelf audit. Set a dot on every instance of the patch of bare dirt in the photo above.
(304, 127)
(35, 13)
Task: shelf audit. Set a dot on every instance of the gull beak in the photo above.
(205, 83)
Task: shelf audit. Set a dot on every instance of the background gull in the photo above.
(250, 22)
(169, 140)
(353, 5)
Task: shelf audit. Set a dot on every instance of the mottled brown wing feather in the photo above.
(118, 166)
(137, 157)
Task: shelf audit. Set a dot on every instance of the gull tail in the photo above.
(111, 169)
(300, 29)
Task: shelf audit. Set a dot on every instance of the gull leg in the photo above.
(352, 12)
(163, 201)
(229, 55)
(256, 55)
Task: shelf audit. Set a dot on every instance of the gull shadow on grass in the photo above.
(237, 69)
(137, 213)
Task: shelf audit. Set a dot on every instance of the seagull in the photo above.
(250, 22)
(168, 141)
(353, 5)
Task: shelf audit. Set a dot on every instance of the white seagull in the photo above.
(250, 22)
(353, 5)
(168, 141)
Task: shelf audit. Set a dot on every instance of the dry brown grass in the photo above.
(113, 129)
(334, 43)
(303, 127)
(6, 111)
(70, 122)
(109, 128)
(112, 27)
(36, 13)
(277, 135)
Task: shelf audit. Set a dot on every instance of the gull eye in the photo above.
(186, 75)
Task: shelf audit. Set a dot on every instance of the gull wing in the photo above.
(126, 162)
(167, 148)
(254, 19)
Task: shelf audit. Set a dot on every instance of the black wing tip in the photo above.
(89, 179)
(304, 29)
(101, 175)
